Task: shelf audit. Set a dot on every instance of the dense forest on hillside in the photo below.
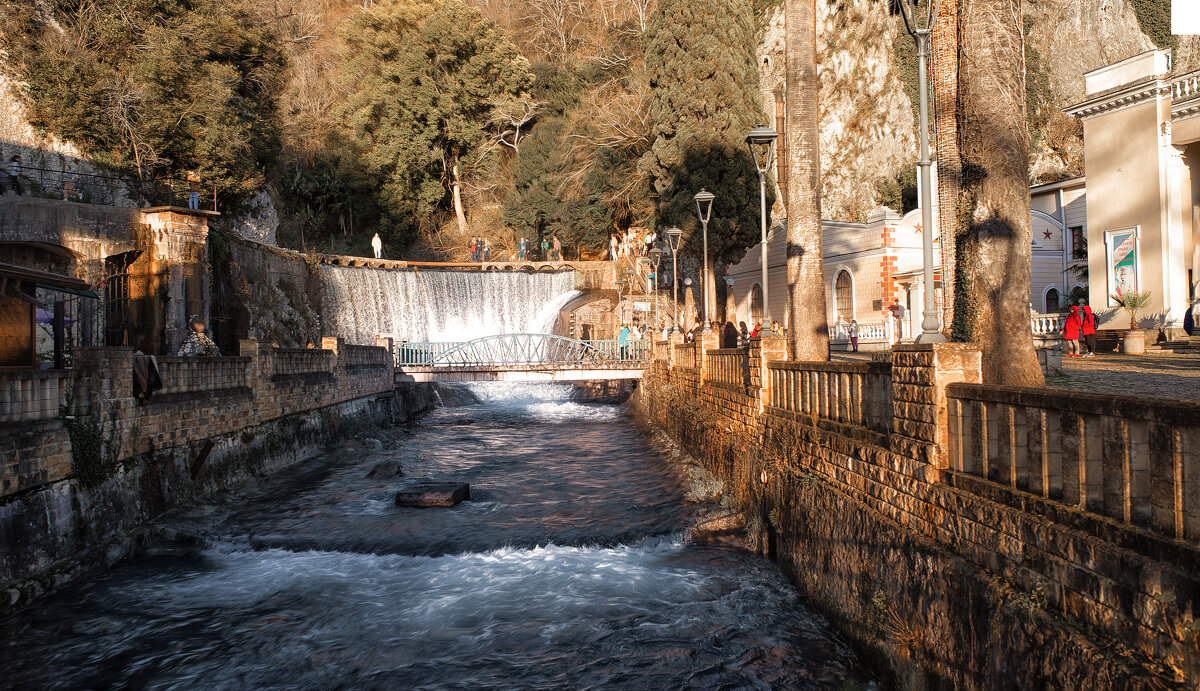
(431, 121)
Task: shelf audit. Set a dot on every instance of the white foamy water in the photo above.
(543, 402)
(441, 306)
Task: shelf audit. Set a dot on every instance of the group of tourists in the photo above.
(631, 244)
(1079, 331)
(481, 249)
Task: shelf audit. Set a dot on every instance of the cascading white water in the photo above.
(414, 305)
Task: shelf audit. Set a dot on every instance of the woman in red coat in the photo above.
(1070, 332)
(1087, 330)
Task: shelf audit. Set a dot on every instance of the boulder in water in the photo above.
(425, 494)
(373, 444)
(385, 469)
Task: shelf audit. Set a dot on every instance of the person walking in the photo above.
(1088, 329)
(377, 245)
(853, 336)
(557, 252)
(612, 247)
(1070, 332)
(14, 174)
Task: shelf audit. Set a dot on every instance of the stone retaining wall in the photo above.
(945, 578)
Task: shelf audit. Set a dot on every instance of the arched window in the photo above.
(756, 304)
(1052, 300)
(843, 291)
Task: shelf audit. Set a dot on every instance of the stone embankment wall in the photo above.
(946, 575)
(80, 491)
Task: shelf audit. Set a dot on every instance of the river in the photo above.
(570, 568)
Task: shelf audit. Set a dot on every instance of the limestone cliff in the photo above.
(868, 85)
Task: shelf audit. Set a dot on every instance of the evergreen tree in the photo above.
(700, 58)
(427, 80)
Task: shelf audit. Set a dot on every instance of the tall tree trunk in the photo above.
(945, 139)
(995, 244)
(808, 331)
(456, 191)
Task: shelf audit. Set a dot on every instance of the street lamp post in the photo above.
(704, 200)
(673, 235)
(629, 282)
(920, 27)
(620, 303)
(656, 258)
(761, 141)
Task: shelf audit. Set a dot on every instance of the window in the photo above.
(756, 304)
(1078, 242)
(117, 309)
(843, 291)
(1052, 301)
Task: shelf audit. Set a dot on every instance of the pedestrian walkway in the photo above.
(1167, 375)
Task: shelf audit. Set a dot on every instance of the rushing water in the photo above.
(413, 305)
(569, 569)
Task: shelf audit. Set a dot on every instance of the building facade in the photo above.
(1141, 132)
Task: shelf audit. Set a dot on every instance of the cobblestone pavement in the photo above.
(1167, 375)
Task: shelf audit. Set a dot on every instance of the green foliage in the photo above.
(704, 80)
(95, 447)
(430, 86)
(152, 87)
(1039, 99)
(1132, 303)
(899, 193)
(1154, 19)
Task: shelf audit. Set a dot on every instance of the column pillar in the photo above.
(920, 374)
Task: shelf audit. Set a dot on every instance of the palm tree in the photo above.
(808, 335)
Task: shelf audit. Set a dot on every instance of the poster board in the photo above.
(1121, 256)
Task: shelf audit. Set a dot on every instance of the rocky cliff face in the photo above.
(867, 116)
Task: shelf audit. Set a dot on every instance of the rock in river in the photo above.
(386, 469)
(433, 494)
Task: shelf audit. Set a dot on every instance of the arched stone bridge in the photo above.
(522, 357)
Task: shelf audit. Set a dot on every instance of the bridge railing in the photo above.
(511, 350)
(852, 393)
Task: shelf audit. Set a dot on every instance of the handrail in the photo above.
(521, 350)
(93, 188)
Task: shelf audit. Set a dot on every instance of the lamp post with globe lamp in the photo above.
(704, 200)
(673, 235)
(761, 141)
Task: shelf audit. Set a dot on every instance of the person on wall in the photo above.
(198, 344)
(729, 336)
(193, 181)
(377, 245)
(14, 174)
(1087, 327)
(743, 335)
(1070, 332)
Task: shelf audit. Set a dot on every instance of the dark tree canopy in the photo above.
(700, 58)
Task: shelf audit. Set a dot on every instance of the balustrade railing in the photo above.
(852, 393)
(198, 374)
(1131, 458)
(510, 350)
(839, 332)
(685, 355)
(297, 361)
(1046, 324)
(365, 356)
(31, 395)
(1186, 86)
(727, 367)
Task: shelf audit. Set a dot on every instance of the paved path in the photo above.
(1165, 374)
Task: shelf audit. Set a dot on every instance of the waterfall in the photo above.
(418, 305)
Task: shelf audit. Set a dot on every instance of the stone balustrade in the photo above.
(852, 393)
(872, 332)
(727, 367)
(375, 357)
(31, 396)
(685, 356)
(1046, 324)
(301, 361)
(201, 374)
(1131, 458)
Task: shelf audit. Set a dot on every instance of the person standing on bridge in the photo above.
(523, 252)
(623, 343)
(487, 251)
(377, 245)
(557, 248)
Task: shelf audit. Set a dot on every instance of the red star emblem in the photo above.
(918, 228)
(1046, 233)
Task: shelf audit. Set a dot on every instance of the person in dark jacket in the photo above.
(729, 336)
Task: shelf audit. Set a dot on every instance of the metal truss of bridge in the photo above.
(522, 357)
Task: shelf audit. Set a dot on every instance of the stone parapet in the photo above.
(920, 375)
